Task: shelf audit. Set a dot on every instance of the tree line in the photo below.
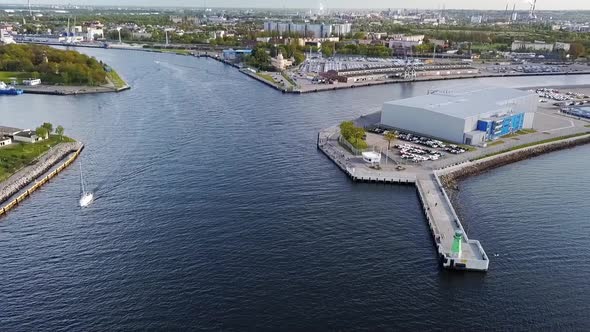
(52, 65)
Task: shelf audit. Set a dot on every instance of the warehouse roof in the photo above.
(464, 102)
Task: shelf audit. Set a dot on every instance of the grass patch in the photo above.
(520, 132)
(18, 155)
(518, 147)
(6, 76)
(266, 77)
(498, 142)
(116, 79)
(174, 50)
(289, 79)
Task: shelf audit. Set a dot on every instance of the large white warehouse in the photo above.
(469, 116)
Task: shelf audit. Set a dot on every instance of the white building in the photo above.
(303, 29)
(5, 140)
(27, 136)
(6, 37)
(280, 63)
(476, 19)
(468, 115)
(534, 46)
(562, 46)
(32, 81)
(342, 29)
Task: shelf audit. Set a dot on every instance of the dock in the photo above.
(447, 229)
(455, 250)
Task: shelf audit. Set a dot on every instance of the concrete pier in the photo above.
(440, 214)
(444, 224)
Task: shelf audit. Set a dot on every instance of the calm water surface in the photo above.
(215, 211)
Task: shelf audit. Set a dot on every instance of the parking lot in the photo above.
(530, 68)
(315, 66)
(411, 149)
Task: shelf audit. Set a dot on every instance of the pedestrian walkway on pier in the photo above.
(446, 229)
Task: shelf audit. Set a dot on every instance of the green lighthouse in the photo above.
(456, 247)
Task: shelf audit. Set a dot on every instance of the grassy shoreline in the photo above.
(15, 156)
(117, 81)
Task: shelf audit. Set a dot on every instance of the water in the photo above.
(214, 210)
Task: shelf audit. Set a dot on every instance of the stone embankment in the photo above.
(28, 174)
(450, 179)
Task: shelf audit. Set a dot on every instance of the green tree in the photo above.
(347, 129)
(328, 49)
(48, 126)
(357, 134)
(42, 132)
(299, 57)
(389, 137)
(577, 50)
(60, 131)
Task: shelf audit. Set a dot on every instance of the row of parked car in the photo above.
(554, 94)
(433, 143)
(417, 154)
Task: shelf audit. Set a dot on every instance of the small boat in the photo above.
(9, 90)
(87, 196)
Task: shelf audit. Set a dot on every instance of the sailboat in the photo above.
(87, 196)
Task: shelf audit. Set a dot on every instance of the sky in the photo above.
(463, 4)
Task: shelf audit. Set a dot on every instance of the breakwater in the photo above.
(454, 248)
(37, 173)
(453, 175)
(443, 221)
(69, 90)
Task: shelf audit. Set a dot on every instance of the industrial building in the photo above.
(467, 116)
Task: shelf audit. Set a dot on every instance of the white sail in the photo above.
(87, 197)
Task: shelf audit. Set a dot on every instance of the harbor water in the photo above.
(214, 211)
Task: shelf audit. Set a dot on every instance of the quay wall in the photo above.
(30, 174)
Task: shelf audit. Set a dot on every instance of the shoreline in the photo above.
(57, 90)
(339, 86)
(213, 54)
(36, 173)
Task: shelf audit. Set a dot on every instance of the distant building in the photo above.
(562, 46)
(342, 29)
(538, 46)
(216, 19)
(476, 19)
(176, 19)
(302, 29)
(280, 63)
(6, 37)
(5, 140)
(470, 116)
(233, 55)
(94, 30)
(402, 44)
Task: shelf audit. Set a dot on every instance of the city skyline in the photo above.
(342, 4)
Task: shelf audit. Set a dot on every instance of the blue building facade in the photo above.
(232, 54)
(499, 126)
